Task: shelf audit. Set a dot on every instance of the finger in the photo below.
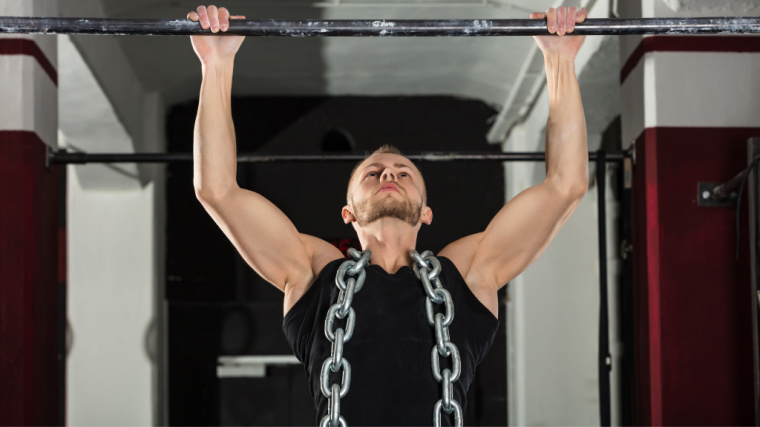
(213, 18)
(572, 12)
(237, 17)
(551, 20)
(192, 16)
(224, 18)
(581, 16)
(537, 15)
(203, 16)
(561, 17)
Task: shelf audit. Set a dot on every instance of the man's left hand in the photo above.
(561, 21)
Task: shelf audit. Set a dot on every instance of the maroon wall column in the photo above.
(29, 355)
(31, 363)
(693, 318)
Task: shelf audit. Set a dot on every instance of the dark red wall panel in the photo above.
(29, 366)
(692, 305)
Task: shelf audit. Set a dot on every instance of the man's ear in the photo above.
(426, 217)
(348, 216)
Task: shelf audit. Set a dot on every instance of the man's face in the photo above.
(386, 186)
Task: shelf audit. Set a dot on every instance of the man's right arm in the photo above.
(264, 236)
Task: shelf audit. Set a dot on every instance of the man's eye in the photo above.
(403, 174)
(372, 174)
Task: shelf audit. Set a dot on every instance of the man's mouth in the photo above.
(388, 187)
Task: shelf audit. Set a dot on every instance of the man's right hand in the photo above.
(212, 48)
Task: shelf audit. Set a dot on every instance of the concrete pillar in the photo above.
(112, 266)
(689, 103)
(30, 280)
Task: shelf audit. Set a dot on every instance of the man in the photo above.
(391, 382)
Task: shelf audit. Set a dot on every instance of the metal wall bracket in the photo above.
(707, 197)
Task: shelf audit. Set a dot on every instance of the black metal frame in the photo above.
(376, 28)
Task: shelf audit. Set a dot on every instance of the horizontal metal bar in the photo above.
(377, 28)
(61, 157)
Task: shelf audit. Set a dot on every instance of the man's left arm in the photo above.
(524, 227)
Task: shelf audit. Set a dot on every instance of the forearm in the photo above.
(214, 152)
(566, 138)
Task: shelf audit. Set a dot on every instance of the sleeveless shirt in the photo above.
(392, 380)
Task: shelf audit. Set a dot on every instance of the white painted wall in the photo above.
(658, 93)
(111, 280)
(553, 310)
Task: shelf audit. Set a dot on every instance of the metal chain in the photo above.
(349, 280)
(427, 268)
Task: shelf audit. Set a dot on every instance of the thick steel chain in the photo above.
(427, 268)
(349, 280)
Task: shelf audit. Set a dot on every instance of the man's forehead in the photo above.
(387, 159)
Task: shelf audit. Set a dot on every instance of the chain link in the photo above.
(427, 268)
(349, 280)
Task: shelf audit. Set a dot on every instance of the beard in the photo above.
(369, 210)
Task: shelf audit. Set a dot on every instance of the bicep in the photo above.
(520, 232)
(265, 238)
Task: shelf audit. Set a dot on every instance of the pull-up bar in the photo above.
(62, 157)
(377, 28)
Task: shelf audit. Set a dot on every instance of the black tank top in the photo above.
(392, 380)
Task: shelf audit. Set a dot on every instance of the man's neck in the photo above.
(390, 241)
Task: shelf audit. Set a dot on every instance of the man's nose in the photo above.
(388, 175)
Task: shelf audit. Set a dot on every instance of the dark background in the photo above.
(217, 305)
